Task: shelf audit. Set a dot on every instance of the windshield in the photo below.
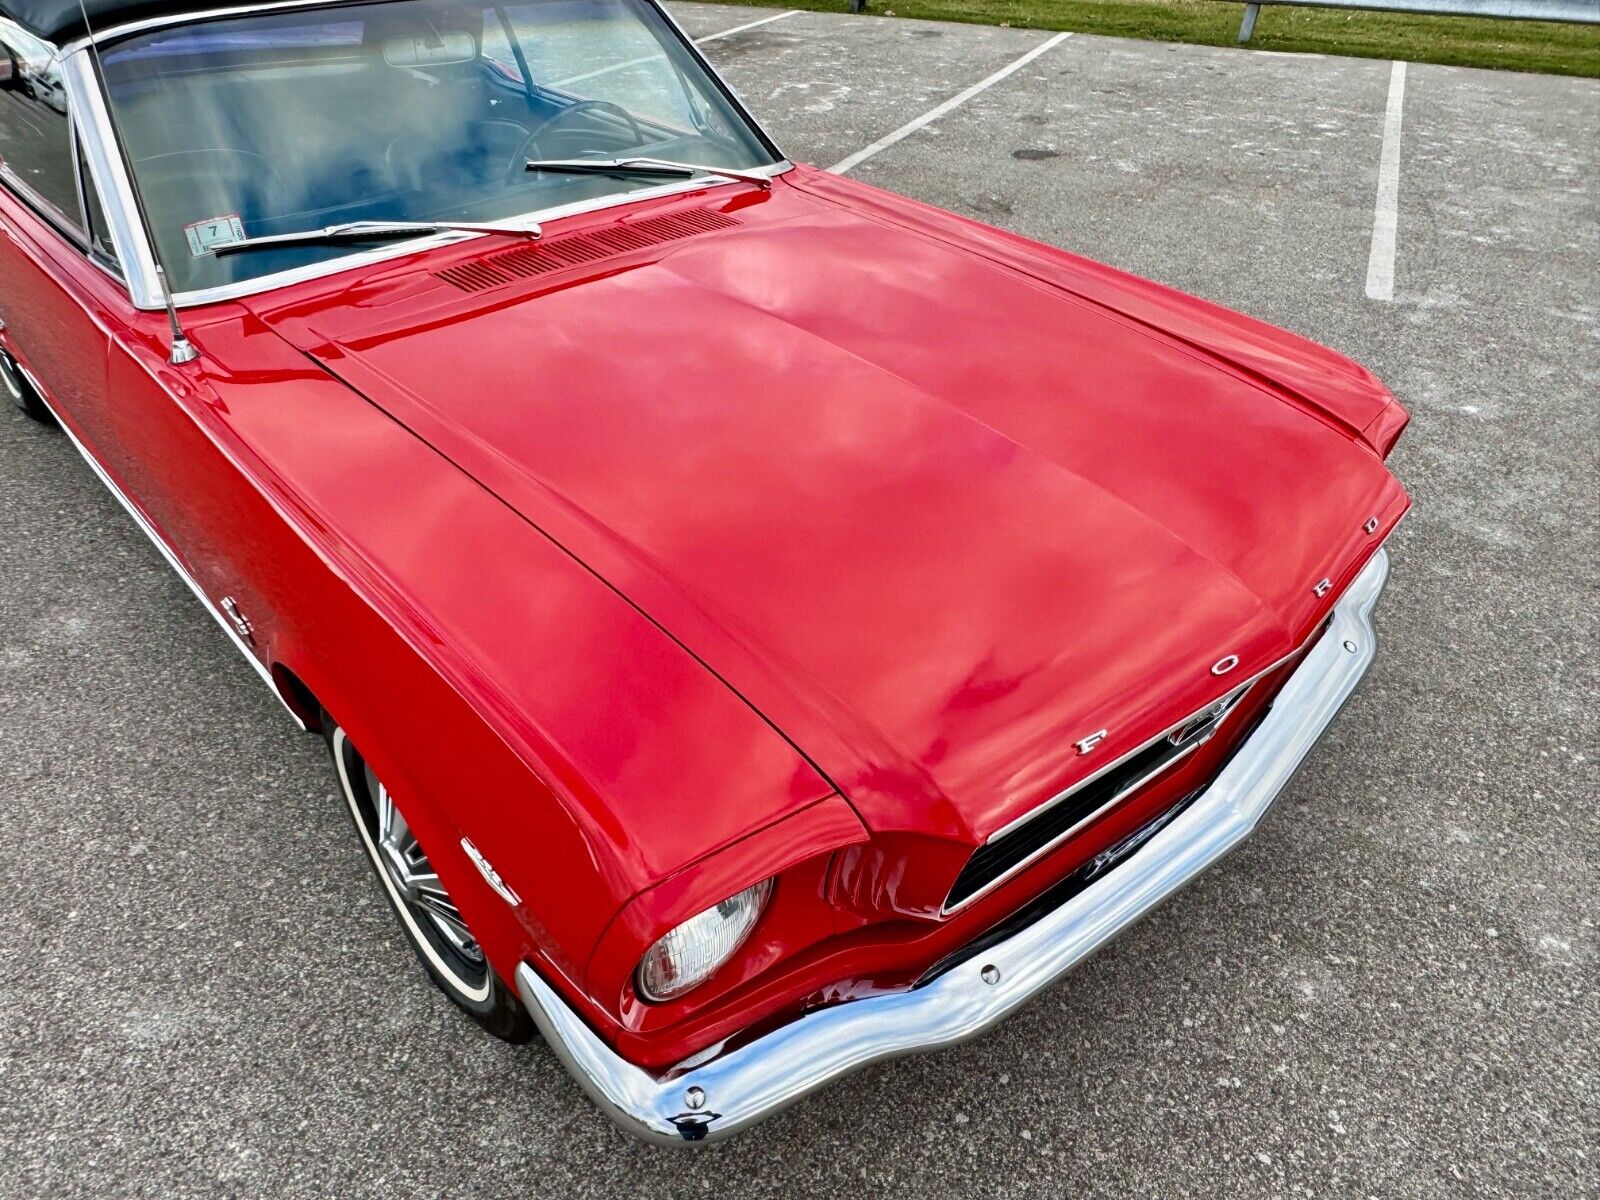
(413, 110)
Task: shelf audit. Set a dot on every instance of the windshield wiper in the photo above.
(370, 231)
(665, 168)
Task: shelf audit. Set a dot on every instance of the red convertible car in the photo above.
(762, 625)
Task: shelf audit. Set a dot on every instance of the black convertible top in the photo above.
(60, 21)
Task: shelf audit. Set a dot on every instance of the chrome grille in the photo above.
(1020, 843)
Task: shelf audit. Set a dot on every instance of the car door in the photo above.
(48, 267)
(70, 322)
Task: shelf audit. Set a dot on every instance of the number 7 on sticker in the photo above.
(213, 231)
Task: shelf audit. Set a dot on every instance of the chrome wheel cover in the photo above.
(430, 916)
(401, 857)
(11, 380)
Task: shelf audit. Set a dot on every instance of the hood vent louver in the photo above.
(539, 258)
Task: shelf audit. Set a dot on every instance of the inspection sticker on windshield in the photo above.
(216, 231)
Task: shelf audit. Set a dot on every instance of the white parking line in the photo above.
(741, 28)
(955, 102)
(1385, 217)
(710, 37)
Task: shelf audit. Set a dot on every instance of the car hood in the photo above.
(936, 519)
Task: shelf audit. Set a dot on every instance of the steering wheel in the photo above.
(531, 147)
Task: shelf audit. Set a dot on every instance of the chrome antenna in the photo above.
(183, 350)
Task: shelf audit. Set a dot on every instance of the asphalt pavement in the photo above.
(1391, 991)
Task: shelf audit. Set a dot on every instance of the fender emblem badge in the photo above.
(490, 876)
(1322, 587)
(1089, 743)
(236, 618)
(1223, 665)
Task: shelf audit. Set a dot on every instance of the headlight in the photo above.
(688, 956)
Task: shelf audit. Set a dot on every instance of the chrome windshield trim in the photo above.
(728, 89)
(109, 174)
(85, 90)
(726, 1092)
(161, 20)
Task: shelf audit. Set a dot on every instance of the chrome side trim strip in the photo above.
(160, 544)
(734, 1090)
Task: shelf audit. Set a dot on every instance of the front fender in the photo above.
(500, 689)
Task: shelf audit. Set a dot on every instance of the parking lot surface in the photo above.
(1390, 991)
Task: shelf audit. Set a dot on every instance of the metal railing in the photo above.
(1581, 11)
(1584, 12)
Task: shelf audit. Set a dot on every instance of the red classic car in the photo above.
(762, 624)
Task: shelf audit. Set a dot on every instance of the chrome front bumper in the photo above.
(740, 1087)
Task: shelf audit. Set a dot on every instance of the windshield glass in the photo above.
(413, 110)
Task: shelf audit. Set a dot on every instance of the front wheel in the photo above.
(20, 392)
(428, 917)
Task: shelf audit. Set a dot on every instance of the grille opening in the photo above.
(1003, 856)
(1096, 868)
(578, 249)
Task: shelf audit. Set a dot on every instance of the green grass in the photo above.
(1459, 41)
